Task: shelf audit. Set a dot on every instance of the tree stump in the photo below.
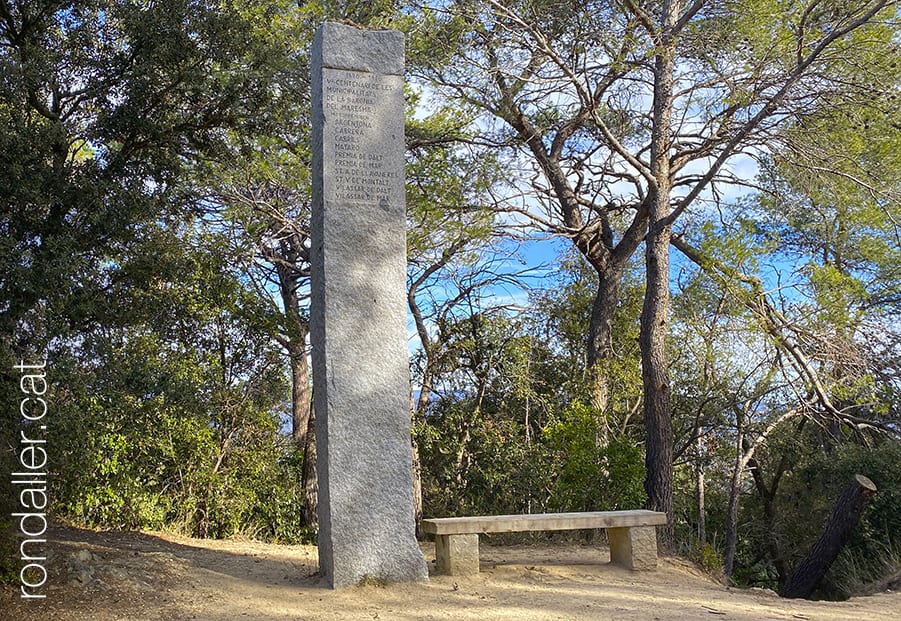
(845, 516)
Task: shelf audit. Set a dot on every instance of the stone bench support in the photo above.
(633, 547)
(632, 535)
(457, 555)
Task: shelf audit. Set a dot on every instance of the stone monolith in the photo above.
(358, 313)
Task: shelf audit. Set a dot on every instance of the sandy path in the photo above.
(154, 576)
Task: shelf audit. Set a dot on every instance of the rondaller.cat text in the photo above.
(31, 480)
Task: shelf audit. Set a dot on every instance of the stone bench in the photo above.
(632, 535)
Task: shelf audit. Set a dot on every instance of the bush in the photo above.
(208, 467)
(707, 558)
(9, 571)
(483, 465)
(499, 470)
(588, 476)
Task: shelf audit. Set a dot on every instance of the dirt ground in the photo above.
(98, 576)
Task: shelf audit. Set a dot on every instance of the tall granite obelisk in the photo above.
(358, 315)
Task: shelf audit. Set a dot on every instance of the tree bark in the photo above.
(655, 311)
(300, 391)
(700, 494)
(600, 338)
(845, 516)
(595, 243)
(417, 467)
(297, 327)
(296, 330)
(655, 379)
(309, 474)
(417, 489)
(302, 411)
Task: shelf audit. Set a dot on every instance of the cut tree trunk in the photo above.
(844, 519)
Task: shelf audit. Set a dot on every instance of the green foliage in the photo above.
(446, 185)
(835, 205)
(813, 481)
(707, 558)
(592, 473)
(484, 464)
(478, 465)
(168, 389)
(561, 309)
(150, 153)
(495, 445)
(169, 414)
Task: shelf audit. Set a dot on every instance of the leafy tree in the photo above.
(558, 313)
(169, 414)
(833, 215)
(106, 107)
(838, 219)
(258, 192)
(452, 235)
(479, 449)
(592, 476)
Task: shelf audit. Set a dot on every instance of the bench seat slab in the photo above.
(541, 521)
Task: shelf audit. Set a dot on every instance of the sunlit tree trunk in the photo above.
(417, 468)
(700, 494)
(654, 314)
(295, 341)
(300, 393)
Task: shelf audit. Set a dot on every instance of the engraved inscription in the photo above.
(352, 104)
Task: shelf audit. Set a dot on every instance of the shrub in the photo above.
(591, 476)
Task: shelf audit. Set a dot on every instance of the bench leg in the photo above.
(457, 555)
(633, 547)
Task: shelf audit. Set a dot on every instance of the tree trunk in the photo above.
(655, 379)
(600, 338)
(417, 489)
(700, 495)
(309, 474)
(841, 524)
(609, 260)
(732, 511)
(300, 389)
(425, 389)
(296, 329)
(767, 495)
(655, 311)
(417, 468)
